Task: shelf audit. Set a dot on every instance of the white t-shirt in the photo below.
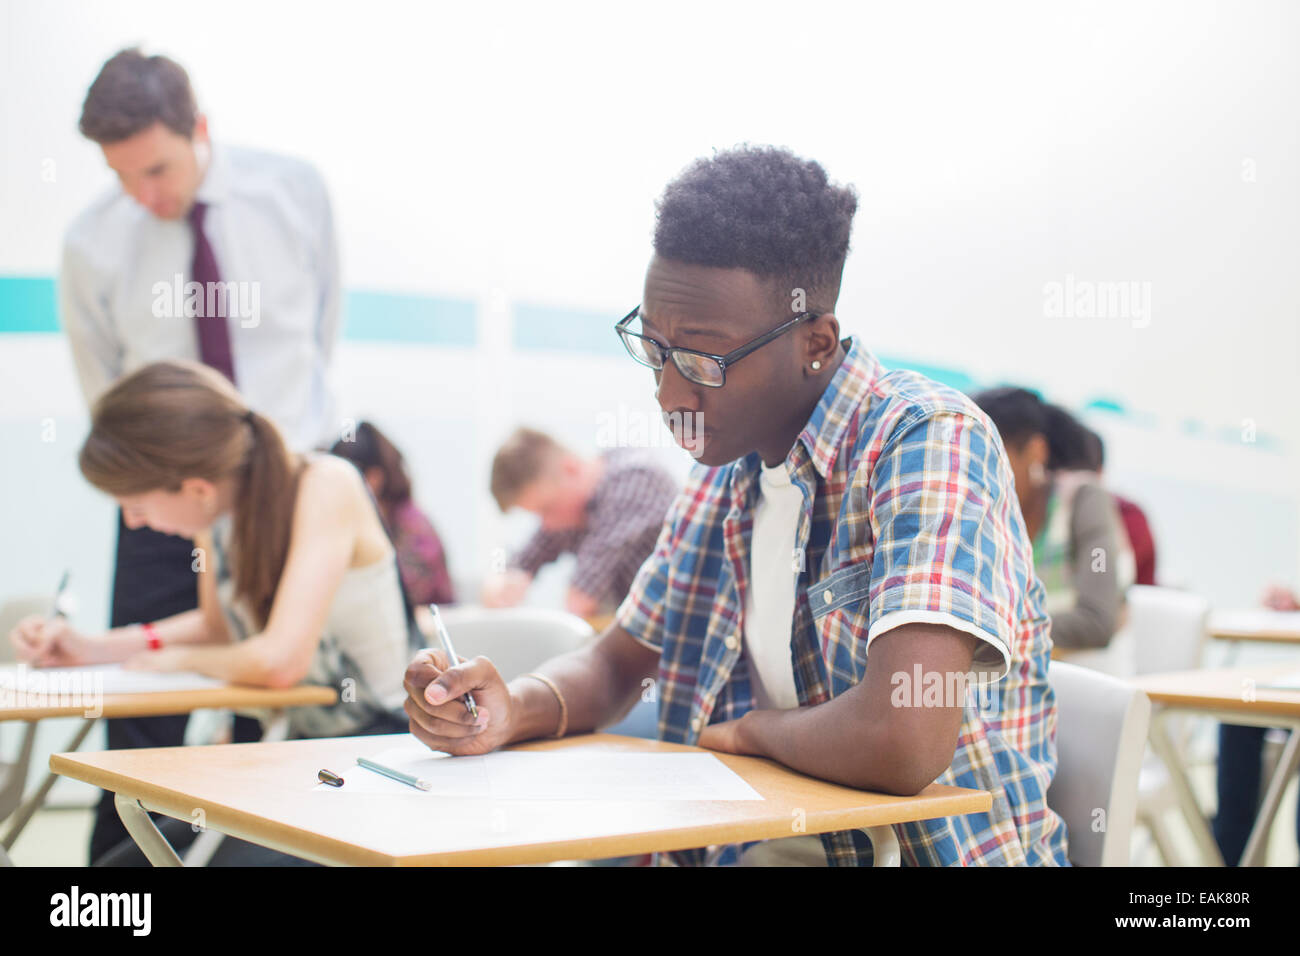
(773, 576)
(769, 624)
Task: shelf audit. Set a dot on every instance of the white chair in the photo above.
(515, 639)
(1169, 633)
(13, 775)
(1100, 738)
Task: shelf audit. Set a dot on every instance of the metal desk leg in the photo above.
(1254, 853)
(146, 836)
(884, 845)
(24, 813)
(206, 843)
(1158, 735)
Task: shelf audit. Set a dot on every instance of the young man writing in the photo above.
(607, 511)
(846, 527)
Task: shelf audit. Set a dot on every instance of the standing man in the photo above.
(607, 511)
(207, 252)
(850, 532)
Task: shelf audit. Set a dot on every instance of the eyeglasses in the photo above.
(702, 368)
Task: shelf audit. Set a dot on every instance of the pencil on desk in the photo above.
(394, 774)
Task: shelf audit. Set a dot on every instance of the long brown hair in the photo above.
(174, 420)
(370, 448)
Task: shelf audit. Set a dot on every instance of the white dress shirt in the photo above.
(272, 231)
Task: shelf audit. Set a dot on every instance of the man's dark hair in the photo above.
(1097, 450)
(1069, 442)
(1017, 413)
(134, 91)
(764, 210)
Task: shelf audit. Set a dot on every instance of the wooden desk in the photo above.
(1256, 624)
(231, 697)
(1235, 696)
(263, 793)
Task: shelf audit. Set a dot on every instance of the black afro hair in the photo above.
(762, 209)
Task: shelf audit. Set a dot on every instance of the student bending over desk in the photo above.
(849, 534)
(301, 583)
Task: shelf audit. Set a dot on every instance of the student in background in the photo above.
(1080, 553)
(608, 511)
(1137, 528)
(420, 554)
(829, 540)
(255, 231)
(298, 580)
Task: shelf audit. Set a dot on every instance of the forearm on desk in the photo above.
(598, 688)
(830, 742)
(180, 629)
(251, 662)
(860, 738)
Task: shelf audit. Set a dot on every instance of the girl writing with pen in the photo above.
(298, 581)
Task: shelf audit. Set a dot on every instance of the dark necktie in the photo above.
(213, 330)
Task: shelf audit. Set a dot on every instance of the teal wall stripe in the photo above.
(953, 378)
(28, 304)
(386, 317)
(566, 330)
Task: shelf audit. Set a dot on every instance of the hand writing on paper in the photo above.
(1280, 599)
(439, 718)
(51, 643)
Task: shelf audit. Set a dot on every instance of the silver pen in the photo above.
(445, 640)
(56, 610)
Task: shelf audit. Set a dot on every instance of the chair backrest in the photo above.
(1168, 628)
(517, 639)
(1101, 735)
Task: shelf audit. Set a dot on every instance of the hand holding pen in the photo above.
(444, 640)
(437, 685)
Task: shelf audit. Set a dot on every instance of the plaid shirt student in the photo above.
(910, 516)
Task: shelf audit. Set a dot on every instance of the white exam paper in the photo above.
(1285, 682)
(102, 678)
(525, 775)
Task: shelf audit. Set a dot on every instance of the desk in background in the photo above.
(1232, 696)
(153, 704)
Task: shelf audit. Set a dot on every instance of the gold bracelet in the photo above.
(564, 708)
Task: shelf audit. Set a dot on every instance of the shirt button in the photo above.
(827, 596)
(731, 642)
(697, 723)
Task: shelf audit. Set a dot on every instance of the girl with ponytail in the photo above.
(297, 578)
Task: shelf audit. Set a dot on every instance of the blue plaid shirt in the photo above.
(910, 514)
